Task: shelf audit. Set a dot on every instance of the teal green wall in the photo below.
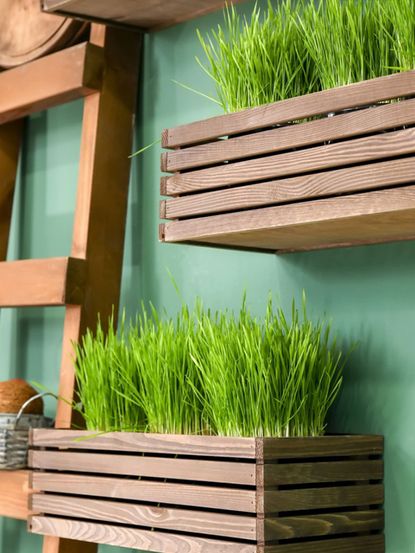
(369, 292)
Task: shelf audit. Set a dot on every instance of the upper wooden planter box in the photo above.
(333, 168)
(199, 494)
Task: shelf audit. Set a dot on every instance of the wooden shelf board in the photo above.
(145, 14)
(14, 492)
(28, 89)
(42, 282)
(374, 217)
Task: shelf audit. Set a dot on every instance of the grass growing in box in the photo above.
(211, 373)
(297, 47)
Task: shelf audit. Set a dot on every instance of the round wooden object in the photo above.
(27, 33)
(13, 393)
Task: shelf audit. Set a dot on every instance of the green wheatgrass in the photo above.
(211, 373)
(295, 47)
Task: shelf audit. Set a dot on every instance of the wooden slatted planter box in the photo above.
(333, 168)
(202, 494)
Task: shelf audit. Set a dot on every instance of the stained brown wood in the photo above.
(42, 282)
(361, 544)
(342, 126)
(328, 101)
(146, 14)
(14, 493)
(319, 446)
(291, 527)
(174, 444)
(210, 523)
(319, 472)
(27, 33)
(372, 217)
(10, 141)
(77, 73)
(328, 183)
(151, 467)
(224, 498)
(273, 501)
(133, 538)
(371, 148)
(101, 205)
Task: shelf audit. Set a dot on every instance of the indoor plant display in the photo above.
(196, 407)
(284, 175)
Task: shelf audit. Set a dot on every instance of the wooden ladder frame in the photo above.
(105, 72)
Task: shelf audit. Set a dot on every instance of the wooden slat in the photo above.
(137, 539)
(14, 494)
(146, 14)
(171, 444)
(196, 522)
(149, 467)
(36, 282)
(319, 472)
(332, 100)
(360, 544)
(228, 499)
(29, 88)
(372, 217)
(320, 446)
(327, 183)
(371, 148)
(10, 141)
(292, 136)
(327, 524)
(273, 501)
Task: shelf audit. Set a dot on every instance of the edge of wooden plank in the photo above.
(14, 494)
(131, 537)
(358, 544)
(174, 444)
(77, 73)
(301, 107)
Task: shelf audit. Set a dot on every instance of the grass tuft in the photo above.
(296, 47)
(211, 373)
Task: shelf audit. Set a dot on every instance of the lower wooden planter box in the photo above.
(201, 494)
(333, 168)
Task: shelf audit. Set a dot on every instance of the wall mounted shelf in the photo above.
(288, 177)
(144, 14)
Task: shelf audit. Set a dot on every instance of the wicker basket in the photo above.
(14, 435)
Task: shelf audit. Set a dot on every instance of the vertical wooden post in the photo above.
(10, 142)
(101, 208)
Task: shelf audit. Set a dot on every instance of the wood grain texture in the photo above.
(172, 444)
(27, 33)
(77, 73)
(371, 148)
(342, 126)
(371, 217)
(101, 204)
(361, 544)
(327, 524)
(273, 501)
(320, 446)
(225, 498)
(314, 185)
(10, 141)
(149, 467)
(181, 520)
(146, 14)
(42, 282)
(14, 494)
(319, 472)
(318, 103)
(137, 539)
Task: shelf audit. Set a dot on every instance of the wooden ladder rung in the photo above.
(14, 491)
(42, 282)
(76, 72)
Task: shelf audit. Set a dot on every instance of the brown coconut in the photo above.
(14, 393)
